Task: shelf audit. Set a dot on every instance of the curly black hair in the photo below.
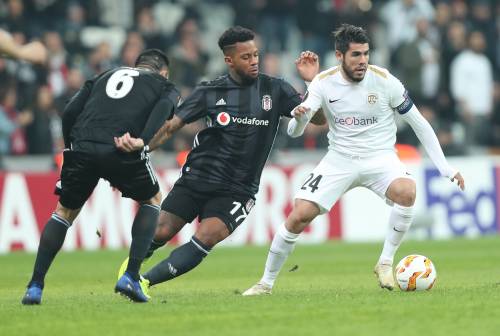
(347, 34)
(233, 35)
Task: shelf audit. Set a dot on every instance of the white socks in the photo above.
(399, 223)
(282, 245)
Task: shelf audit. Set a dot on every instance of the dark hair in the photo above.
(347, 34)
(233, 35)
(152, 58)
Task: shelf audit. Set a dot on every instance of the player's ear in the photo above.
(339, 55)
(164, 72)
(228, 60)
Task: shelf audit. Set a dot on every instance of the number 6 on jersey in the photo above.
(120, 83)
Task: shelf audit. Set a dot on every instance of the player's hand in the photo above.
(300, 111)
(34, 52)
(24, 118)
(128, 144)
(307, 65)
(460, 180)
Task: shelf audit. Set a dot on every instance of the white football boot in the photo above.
(384, 274)
(258, 289)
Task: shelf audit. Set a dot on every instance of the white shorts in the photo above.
(338, 173)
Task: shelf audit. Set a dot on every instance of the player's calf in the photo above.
(143, 230)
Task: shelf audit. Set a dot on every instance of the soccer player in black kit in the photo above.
(133, 100)
(222, 173)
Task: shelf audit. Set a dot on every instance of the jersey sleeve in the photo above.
(73, 109)
(163, 110)
(194, 107)
(429, 140)
(289, 98)
(399, 98)
(313, 98)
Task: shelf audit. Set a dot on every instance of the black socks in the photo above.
(51, 241)
(143, 230)
(180, 261)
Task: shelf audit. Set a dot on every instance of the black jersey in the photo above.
(242, 123)
(121, 100)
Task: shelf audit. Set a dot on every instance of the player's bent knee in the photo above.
(402, 192)
(302, 214)
(66, 213)
(212, 232)
(305, 210)
(155, 200)
(407, 196)
(210, 239)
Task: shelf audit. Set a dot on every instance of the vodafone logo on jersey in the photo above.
(223, 118)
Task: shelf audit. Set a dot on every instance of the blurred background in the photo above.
(446, 52)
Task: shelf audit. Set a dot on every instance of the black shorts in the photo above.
(188, 201)
(127, 172)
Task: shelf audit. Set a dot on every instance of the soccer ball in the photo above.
(415, 272)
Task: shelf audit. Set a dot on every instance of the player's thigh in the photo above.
(331, 178)
(231, 209)
(134, 177)
(381, 171)
(79, 177)
(182, 202)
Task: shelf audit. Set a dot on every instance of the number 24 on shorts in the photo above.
(312, 182)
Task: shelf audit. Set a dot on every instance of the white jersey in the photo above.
(360, 115)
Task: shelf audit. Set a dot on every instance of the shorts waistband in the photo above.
(362, 156)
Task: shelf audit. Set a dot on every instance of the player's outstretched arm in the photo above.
(429, 140)
(301, 117)
(163, 110)
(127, 143)
(34, 52)
(165, 132)
(307, 65)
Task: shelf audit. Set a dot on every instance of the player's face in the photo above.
(244, 60)
(355, 61)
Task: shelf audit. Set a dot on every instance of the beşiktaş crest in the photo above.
(267, 102)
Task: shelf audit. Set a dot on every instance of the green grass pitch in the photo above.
(333, 292)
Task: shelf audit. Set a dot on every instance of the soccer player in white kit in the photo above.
(360, 102)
